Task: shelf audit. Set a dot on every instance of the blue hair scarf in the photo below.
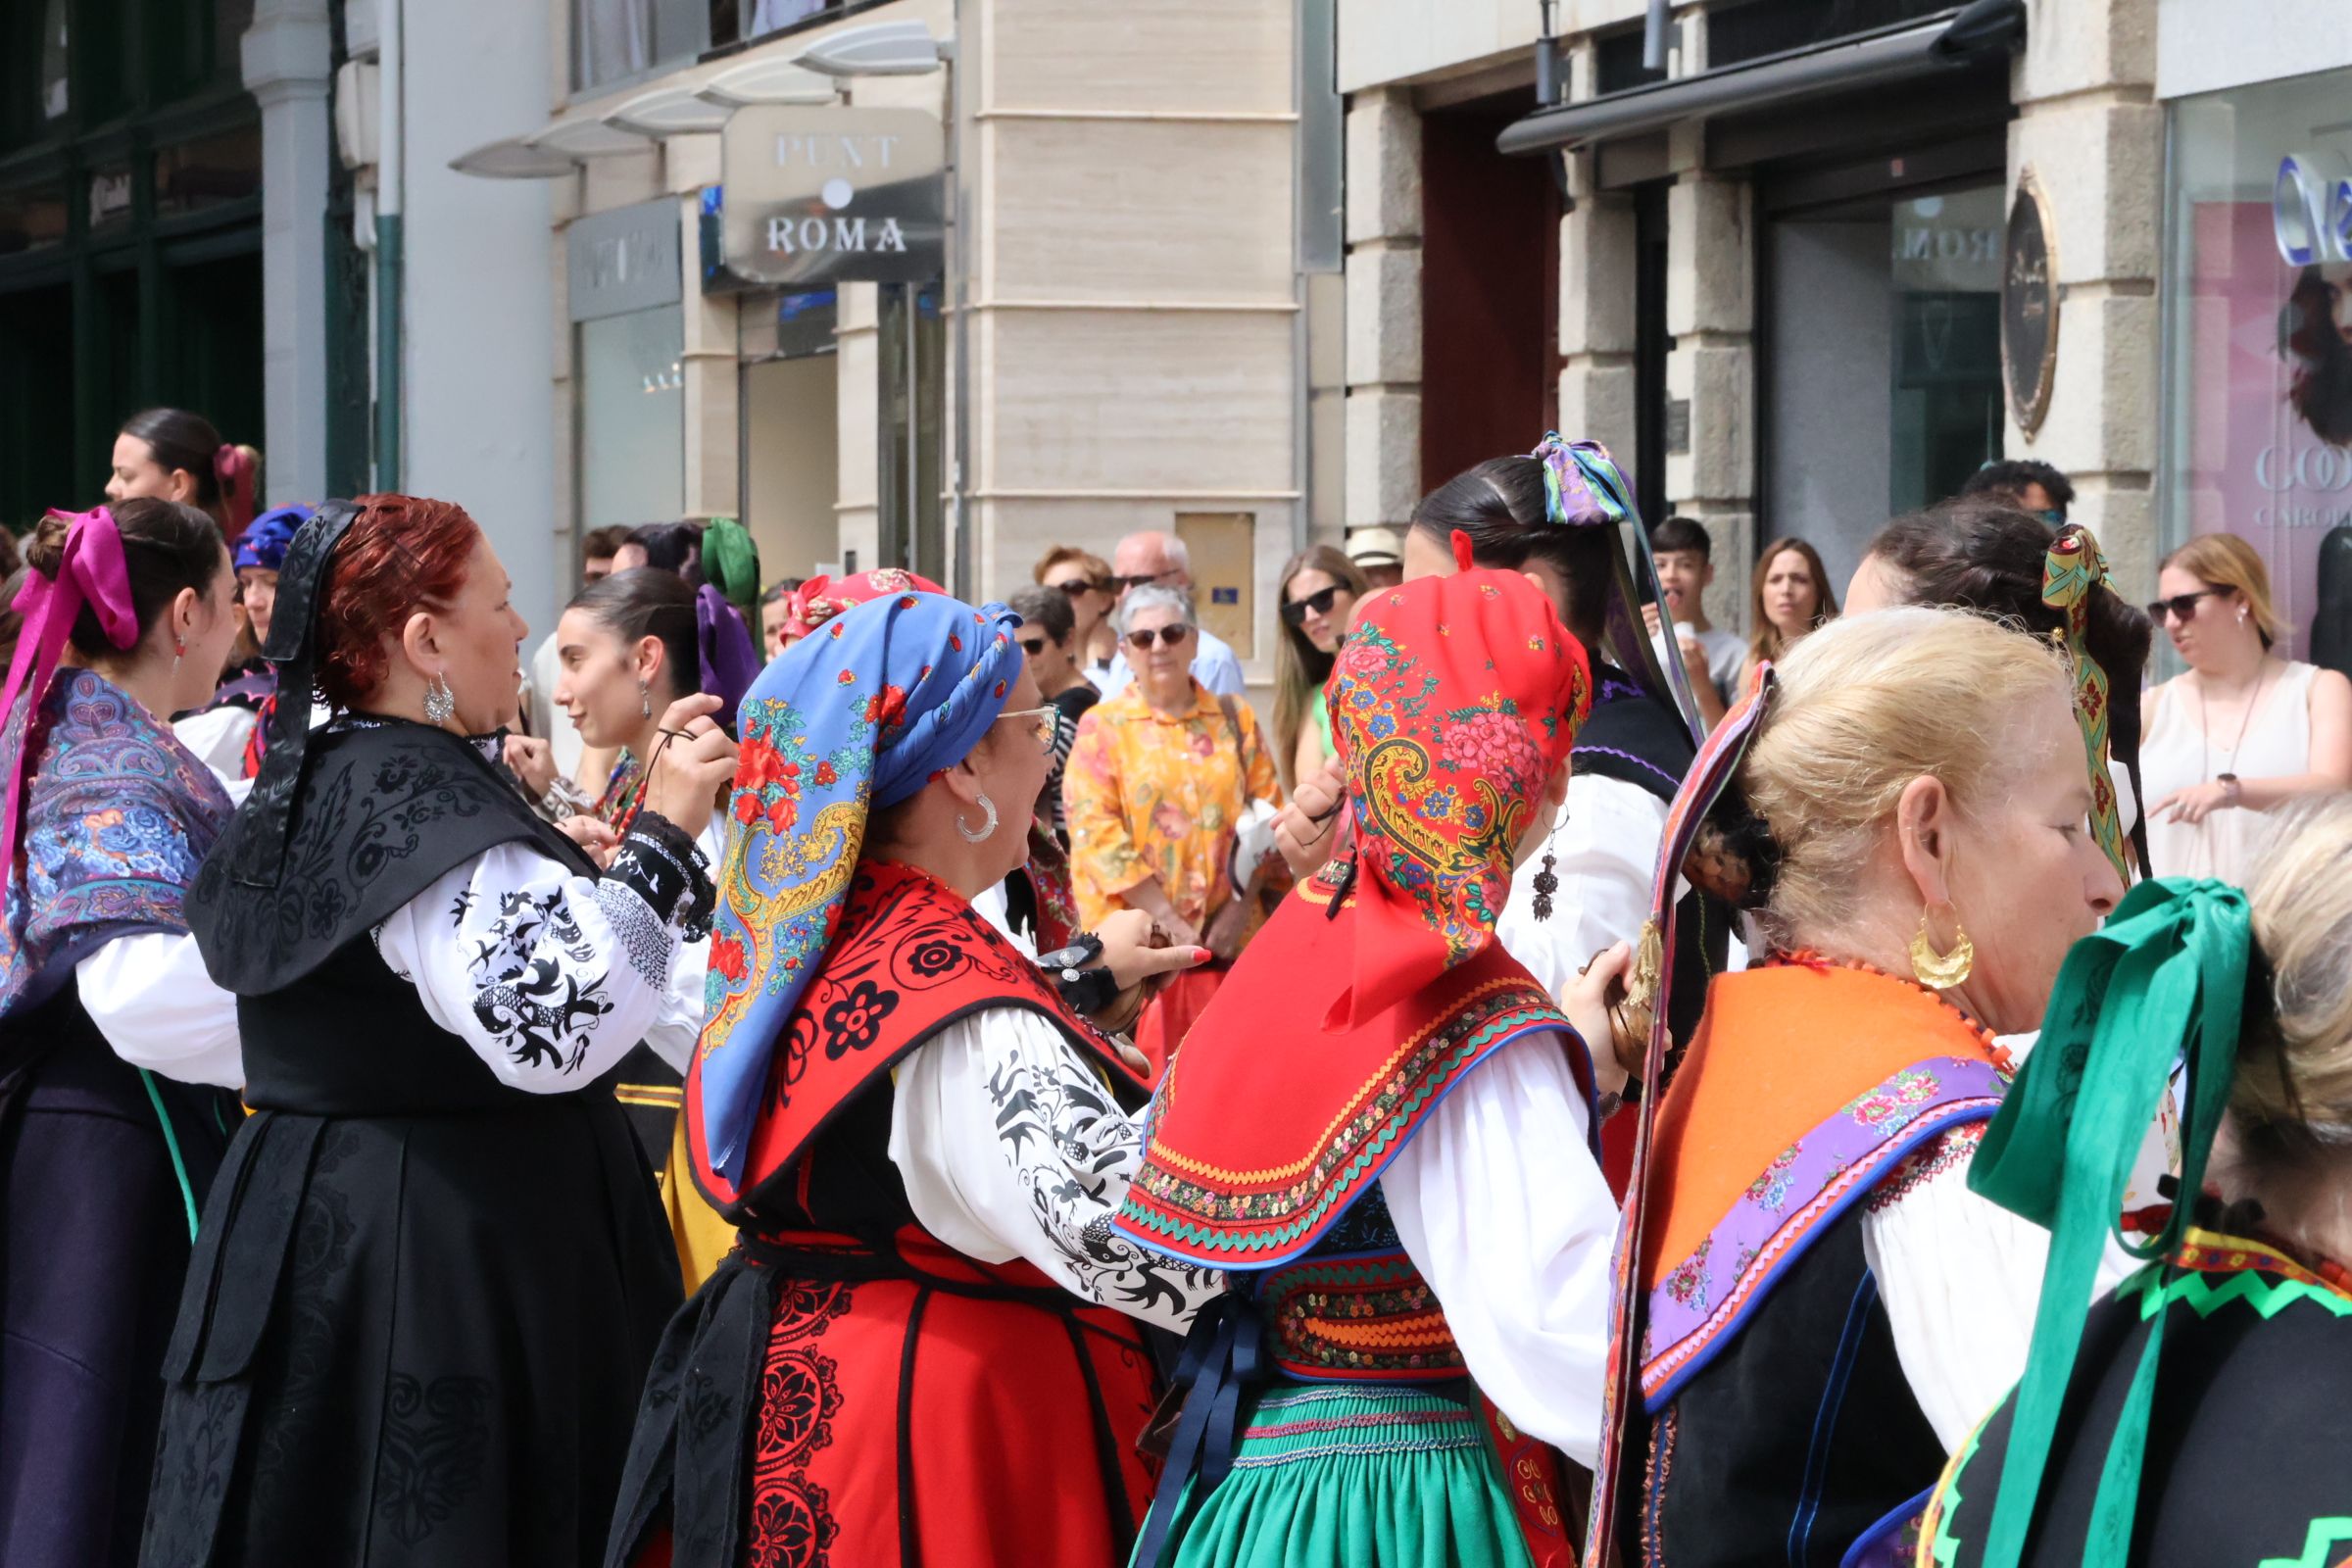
(264, 544)
(849, 722)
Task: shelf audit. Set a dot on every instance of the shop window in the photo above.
(613, 40)
(1880, 386)
(2257, 432)
(206, 173)
(743, 20)
(32, 219)
(632, 430)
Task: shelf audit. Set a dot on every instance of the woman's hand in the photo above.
(1587, 1005)
(2193, 803)
(1128, 951)
(1226, 927)
(1149, 899)
(533, 761)
(1306, 829)
(692, 762)
(592, 836)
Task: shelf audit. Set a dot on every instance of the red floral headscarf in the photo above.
(820, 599)
(1453, 703)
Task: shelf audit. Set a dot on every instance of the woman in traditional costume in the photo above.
(433, 1269)
(225, 731)
(918, 1353)
(631, 644)
(1383, 1127)
(1561, 516)
(2205, 1412)
(110, 1033)
(1817, 1307)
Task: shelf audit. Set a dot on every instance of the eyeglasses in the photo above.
(1294, 612)
(1033, 646)
(1044, 721)
(2183, 606)
(1169, 637)
(1075, 586)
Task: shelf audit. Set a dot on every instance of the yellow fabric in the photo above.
(1148, 795)
(702, 1237)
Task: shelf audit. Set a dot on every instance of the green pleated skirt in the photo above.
(1356, 1475)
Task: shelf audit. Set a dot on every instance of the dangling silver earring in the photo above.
(645, 701)
(988, 822)
(1545, 883)
(440, 703)
(179, 651)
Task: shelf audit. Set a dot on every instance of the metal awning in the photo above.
(1867, 60)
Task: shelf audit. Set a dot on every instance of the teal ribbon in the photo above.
(2167, 973)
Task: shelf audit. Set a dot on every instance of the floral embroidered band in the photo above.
(1703, 1301)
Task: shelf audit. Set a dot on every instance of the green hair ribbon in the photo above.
(2167, 972)
(2071, 574)
(731, 565)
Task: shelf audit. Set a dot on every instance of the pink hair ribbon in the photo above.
(91, 572)
(234, 471)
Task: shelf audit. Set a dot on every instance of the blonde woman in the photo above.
(2243, 729)
(1318, 594)
(1828, 1307)
(1789, 598)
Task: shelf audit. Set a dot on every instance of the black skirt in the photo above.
(414, 1336)
(99, 1166)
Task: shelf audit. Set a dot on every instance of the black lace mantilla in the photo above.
(382, 808)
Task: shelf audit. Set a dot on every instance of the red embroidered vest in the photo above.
(1268, 1132)
(908, 959)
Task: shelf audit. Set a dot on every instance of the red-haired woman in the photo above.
(434, 1268)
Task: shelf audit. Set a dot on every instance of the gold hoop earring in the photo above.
(1940, 971)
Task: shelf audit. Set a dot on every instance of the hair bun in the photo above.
(45, 546)
(1734, 856)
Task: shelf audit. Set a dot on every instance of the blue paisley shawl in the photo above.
(117, 815)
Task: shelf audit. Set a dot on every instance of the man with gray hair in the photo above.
(1162, 559)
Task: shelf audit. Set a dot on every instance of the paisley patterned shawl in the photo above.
(117, 817)
(1453, 703)
(853, 718)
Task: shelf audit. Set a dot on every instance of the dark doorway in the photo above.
(1490, 292)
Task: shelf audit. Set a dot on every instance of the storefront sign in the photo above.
(812, 196)
(2029, 305)
(623, 261)
(2311, 209)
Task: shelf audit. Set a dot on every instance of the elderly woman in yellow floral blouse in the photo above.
(1162, 791)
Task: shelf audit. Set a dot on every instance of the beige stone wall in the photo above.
(2090, 129)
(1136, 334)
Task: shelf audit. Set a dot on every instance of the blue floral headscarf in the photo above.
(851, 720)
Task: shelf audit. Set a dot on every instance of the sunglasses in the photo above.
(1075, 586)
(1294, 613)
(1043, 721)
(1033, 646)
(2183, 606)
(1169, 637)
(1143, 579)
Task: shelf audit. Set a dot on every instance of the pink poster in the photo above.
(2269, 431)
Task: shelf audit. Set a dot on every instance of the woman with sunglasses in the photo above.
(2245, 729)
(1084, 579)
(1318, 594)
(1162, 790)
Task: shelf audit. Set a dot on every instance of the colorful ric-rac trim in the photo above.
(1176, 1206)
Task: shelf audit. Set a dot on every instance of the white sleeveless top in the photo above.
(2176, 753)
